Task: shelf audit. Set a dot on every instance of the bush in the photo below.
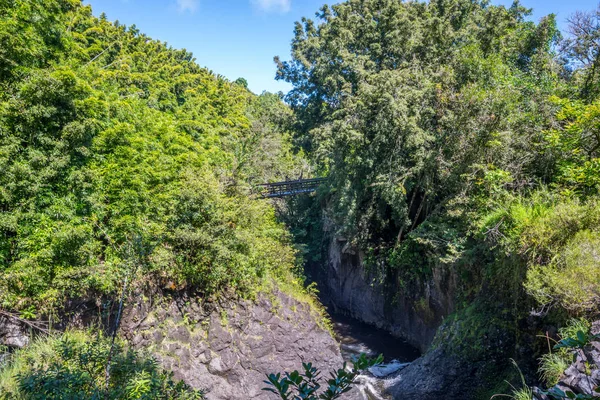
(140, 146)
(558, 239)
(306, 384)
(73, 366)
(572, 278)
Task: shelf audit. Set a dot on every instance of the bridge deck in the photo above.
(290, 188)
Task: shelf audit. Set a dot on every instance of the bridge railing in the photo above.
(290, 188)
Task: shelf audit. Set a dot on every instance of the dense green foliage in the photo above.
(72, 366)
(307, 384)
(454, 133)
(416, 108)
(120, 155)
(459, 138)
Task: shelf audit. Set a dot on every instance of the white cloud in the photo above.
(187, 5)
(273, 5)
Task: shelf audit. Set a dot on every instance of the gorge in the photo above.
(444, 210)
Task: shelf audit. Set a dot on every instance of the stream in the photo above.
(356, 337)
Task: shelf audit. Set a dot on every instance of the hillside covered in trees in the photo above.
(461, 142)
(126, 168)
(122, 156)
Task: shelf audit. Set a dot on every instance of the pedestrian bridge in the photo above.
(290, 188)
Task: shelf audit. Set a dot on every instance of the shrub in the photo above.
(558, 239)
(572, 278)
(73, 366)
(155, 150)
(306, 385)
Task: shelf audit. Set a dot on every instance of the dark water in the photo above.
(357, 337)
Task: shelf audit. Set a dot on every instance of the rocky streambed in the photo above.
(355, 338)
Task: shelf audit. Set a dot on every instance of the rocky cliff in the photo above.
(582, 377)
(225, 348)
(229, 348)
(417, 312)
(411, 311)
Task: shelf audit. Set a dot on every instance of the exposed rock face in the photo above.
(12, 333)
(229, 349)
(580, 378)
(434, 376)
(413, 313)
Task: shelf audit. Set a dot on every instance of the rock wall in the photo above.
(228, 349)
(436, 375)
(413, 312)
(225, 348)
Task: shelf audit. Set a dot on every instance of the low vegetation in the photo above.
(308, 383)
(73, 366)
(552, 367)
(558, 237)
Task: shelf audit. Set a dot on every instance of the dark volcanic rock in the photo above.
(434, 376)
(348, 288)
(230, 350)
(12, 333)
(583, 375)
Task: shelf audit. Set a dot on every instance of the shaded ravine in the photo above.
(356, 337)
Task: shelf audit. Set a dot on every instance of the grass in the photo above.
(35, 355)
(293, 287)
(573, 326)
(552, 367)
(522, 393)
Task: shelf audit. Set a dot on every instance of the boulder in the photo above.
(12, 332)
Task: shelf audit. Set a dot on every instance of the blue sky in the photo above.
(238, 38)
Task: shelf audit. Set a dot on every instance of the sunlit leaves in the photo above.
(107, 136)
(307, 384)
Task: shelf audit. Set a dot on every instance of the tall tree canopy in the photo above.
(411, 106)
(119, 153)
(452, 129)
